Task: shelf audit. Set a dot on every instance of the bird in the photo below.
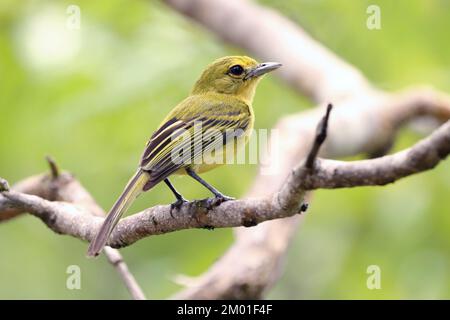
(220, 107)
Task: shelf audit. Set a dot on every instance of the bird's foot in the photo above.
(217, 200)
(177, 204)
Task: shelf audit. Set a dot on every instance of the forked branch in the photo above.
(82, 222)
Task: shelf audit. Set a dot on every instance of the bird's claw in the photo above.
(177, 204)
(217, 200)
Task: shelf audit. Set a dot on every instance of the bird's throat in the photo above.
(247, 91)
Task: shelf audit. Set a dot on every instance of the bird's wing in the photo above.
(188, 135)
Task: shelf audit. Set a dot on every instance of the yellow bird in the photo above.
(217, 114)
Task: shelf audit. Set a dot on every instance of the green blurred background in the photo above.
(91, 97)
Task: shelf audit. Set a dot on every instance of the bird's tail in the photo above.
(132, 190)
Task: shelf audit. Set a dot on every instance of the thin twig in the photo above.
(321, 135)
(116, 259)
(54, 169)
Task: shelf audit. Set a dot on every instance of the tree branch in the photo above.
(65, 218)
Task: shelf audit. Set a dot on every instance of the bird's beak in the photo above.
(261, 69)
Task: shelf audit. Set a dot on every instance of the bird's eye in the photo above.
(236, 70)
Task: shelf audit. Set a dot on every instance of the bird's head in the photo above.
(234, 75)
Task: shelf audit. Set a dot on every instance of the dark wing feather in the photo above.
(157, 157)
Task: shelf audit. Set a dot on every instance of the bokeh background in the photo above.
(91, 97)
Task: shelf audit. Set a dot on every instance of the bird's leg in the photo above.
(219, 197)
(180, 200)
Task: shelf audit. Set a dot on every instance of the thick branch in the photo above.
(65, 218)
